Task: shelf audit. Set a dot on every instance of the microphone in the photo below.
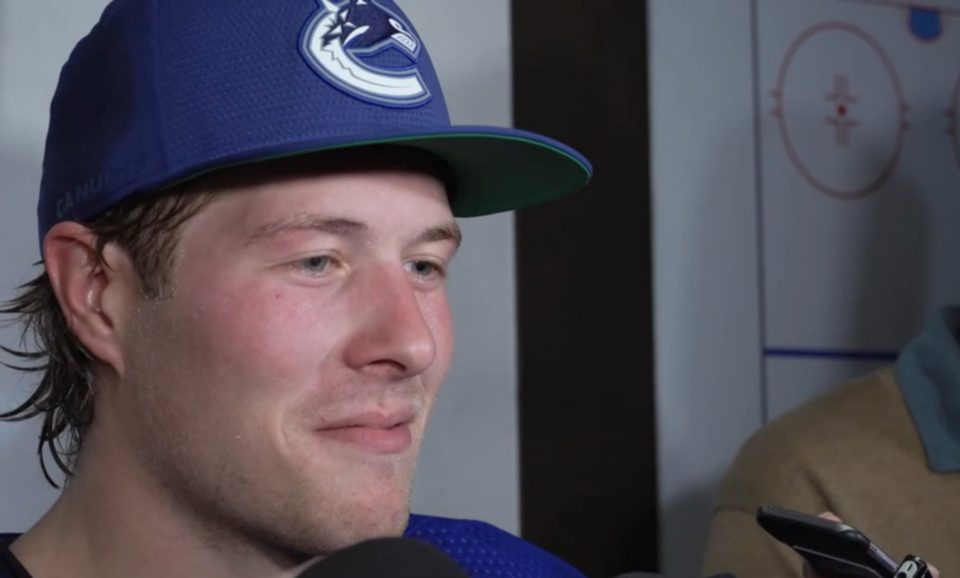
(386, 558)
(649, 575)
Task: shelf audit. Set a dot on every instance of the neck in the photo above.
(112, 521)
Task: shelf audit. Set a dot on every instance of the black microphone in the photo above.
(650, 575)
(386, 558)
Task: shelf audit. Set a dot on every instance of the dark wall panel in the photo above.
(588, 451)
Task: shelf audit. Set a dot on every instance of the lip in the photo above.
(393, 440)
(377, 432)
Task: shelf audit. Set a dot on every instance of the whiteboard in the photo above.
(859, 180)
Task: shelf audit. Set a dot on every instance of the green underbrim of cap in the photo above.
(494, 172)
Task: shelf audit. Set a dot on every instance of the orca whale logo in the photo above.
(343, 41)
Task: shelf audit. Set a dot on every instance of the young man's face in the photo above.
(282, 391)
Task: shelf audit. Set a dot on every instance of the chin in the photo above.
(390, 519)
(381, 512)
(341, 527)
(387, 525)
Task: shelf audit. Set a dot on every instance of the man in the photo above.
(246, 216)
(882, 452)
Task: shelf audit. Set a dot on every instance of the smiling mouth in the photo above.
(378, 432)
(380, 440)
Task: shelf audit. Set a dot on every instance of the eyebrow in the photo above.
(343, 227)
(306, 222)
(448, 232)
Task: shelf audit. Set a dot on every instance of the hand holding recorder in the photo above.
(833, 549)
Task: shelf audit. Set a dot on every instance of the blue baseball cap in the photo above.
(162, 91)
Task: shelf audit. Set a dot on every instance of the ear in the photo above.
(95, 294)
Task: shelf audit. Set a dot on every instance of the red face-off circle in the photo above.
(840, 110)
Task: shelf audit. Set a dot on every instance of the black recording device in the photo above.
(834, 549)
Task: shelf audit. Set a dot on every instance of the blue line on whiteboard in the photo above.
(831, 354)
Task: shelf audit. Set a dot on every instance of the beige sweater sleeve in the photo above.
(769, 469)
(853, 452)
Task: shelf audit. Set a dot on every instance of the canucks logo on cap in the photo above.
(366, 51)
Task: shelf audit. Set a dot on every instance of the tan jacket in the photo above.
(854, 452)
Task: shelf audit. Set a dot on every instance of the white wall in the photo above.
(707, 326)
(34, 42)
(469, 465)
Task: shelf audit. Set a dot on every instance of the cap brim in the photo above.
(496, 170)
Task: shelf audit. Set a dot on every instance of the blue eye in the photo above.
(425, 269)
(315, 264)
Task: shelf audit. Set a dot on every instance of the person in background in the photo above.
(882, 452)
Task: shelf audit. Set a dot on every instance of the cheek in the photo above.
(255, 338)
(267, 332)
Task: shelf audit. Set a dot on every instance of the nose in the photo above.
(393, 335)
